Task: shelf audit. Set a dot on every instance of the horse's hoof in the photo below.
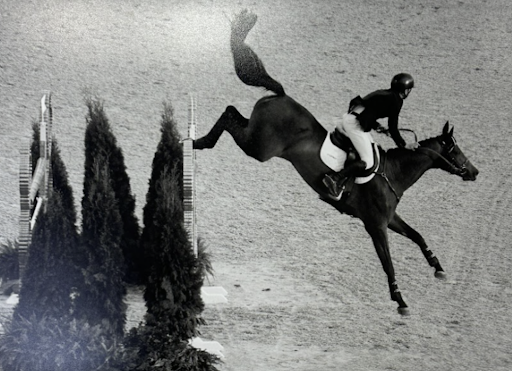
(404, 311)
(441, 275)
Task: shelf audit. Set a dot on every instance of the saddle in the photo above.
(340, 140)
(344, 143)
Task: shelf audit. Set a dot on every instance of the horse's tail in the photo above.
(248, 66)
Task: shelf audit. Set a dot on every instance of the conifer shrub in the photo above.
(47, 343)
(43, 333)
(173, 292)
(154, 349)
(49, 276)
(100, 141)
(71, 312)
(204, 259)
(60, 183)
(101, 298)
(9, 263)
(174, 274)
(51, 273)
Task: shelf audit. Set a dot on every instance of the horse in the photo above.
(281, 127)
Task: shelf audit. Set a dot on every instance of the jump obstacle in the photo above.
(209, 294)
(189, 158)
(34, 188)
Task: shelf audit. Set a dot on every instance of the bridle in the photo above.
(449, 158)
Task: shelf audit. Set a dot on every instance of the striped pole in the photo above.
(25, 180)
(189, 211)
(34, 187)
(210, 295)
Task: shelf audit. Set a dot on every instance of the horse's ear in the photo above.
(446, 127)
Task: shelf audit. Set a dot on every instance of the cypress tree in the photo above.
(101, 299)
(61, 183)
(173, 291)
(174, 277)
(51, 274)
(168, 151)
(100, 141)
(48, 278)
(44, 333)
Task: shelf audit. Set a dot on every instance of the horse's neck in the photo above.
(406, 167)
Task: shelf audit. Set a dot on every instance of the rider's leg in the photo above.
(362, 142)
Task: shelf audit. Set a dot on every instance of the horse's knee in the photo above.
(232, 119)
(232, 113)
(231, 109)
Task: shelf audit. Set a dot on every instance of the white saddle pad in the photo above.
(334, 158)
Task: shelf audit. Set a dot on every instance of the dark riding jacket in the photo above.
(380, 104)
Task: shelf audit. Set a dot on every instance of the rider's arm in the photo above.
(395, 133)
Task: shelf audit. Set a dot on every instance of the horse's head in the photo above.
(451, 158)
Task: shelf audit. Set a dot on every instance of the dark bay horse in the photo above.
(281, 127)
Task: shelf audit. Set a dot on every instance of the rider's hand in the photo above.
(412, 146)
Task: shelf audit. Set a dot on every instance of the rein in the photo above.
(456, 169)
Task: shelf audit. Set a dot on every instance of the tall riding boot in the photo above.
(333, 181)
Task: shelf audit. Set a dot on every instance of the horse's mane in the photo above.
(399, 157)
(399, 152)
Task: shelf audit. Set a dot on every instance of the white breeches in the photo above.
(361, 140)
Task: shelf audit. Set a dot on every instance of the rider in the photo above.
(362, 117)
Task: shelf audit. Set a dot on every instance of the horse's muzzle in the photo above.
(469, 172)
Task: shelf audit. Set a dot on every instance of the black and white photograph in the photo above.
(241, 185)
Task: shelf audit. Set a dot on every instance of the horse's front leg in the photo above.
(231, 121)
(399, 226)
(380, 241)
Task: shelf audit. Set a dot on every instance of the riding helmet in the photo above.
(402, 82)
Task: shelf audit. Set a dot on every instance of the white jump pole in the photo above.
(209, 294)
(25, 232)
(189, 196)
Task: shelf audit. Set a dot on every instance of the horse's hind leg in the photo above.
(231, 121)
(399, 226)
